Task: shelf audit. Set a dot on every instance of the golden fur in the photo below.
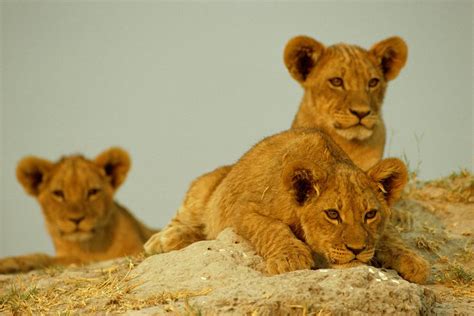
(344, 86)
(293, 195)
(77, 199)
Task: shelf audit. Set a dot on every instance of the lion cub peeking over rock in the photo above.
(296, 194)
(83, 220)
(344, 86)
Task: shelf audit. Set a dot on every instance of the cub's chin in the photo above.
(358, 132)
(78, 236)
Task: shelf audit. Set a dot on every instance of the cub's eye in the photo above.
(332, 214)
(92, 192)
(336, 81)
(373, 82)
(58, 194)
(370, 214)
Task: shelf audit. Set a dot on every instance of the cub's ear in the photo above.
(303, 179)
(300, 56)
(31, 173)
(391, 175)
(115, 162)
(391, 55)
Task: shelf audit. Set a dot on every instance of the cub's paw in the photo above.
(10, 265)
(171, 238)
(413, 268)
(153, 245)
(24, 263)
(289, 260)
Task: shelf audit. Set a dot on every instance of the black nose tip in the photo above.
(360, 113)
(77, 220)
(355, 251)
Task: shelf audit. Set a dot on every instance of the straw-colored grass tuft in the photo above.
(458, 278)
(102, 290)
(456, 188)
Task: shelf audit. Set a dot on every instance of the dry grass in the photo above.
(456, 188)
(466, 255)
(431, 245)
(308, 310)
(456, 271)
(455, 275)
(459, 279)
(103, 290)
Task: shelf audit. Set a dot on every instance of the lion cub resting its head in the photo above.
(83, 220)
(344, 86)
(293, 195)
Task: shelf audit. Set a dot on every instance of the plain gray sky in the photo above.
(186, 87)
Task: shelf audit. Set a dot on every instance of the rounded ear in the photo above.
(391, 55)
(391, 175)
(31, 173)
(115, 162)
(300, 56)
(303, 180)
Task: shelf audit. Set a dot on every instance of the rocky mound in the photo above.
(228, 269)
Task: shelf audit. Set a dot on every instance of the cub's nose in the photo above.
(77, 220)
(355, 251)
(360, 113)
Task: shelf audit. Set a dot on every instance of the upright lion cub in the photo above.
(77, 199)
(344, 86)
(296, 194)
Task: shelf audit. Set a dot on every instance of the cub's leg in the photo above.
(275, 242)
(31, 262)
(188, 225)
(183, 230)
(24, 263)
(392, 253)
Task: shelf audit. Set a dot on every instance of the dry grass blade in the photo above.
(423, 243)
(456, 188)
(101, 290)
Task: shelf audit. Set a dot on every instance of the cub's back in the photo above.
(258, 172)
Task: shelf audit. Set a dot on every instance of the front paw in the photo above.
(10, 265)
(289, 260)
(413, 268)
(153, 245)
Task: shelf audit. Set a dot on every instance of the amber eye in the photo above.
(370, 214)
(332, 214)
(336, 81)
(93, 192)
(58, 194)
(373, 82)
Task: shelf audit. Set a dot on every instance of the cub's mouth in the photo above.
(368, 123)
(344, 259)
(355, 124)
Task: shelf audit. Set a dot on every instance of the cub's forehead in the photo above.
(352, 188)
(348, 59)
(75, 170)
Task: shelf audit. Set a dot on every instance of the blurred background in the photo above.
(189, 86)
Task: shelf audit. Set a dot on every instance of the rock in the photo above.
(228, 273)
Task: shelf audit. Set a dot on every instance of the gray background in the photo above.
(186, 87)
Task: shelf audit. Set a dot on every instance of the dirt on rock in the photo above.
(224, 276)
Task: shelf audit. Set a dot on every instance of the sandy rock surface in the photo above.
(227, 268)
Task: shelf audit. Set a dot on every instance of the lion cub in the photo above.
(344, 86)
(293, 195)
(77, 199)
